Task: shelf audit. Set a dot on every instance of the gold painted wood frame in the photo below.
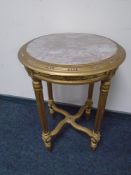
(71, 74)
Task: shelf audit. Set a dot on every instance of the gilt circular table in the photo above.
(71, 58)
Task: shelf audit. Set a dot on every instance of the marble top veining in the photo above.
(71, 48)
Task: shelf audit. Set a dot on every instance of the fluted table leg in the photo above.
(37, 85)
(104, 89)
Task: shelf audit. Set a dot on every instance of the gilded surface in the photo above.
(101, 70)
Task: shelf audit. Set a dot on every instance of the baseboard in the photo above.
(18, 99)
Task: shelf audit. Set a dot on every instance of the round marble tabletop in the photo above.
(71, 48)
(71, 54)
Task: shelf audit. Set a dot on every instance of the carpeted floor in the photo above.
(22, 151)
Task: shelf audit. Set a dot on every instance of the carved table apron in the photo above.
(71, 58)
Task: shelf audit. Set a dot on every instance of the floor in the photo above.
(22, 151)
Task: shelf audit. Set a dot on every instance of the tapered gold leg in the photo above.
(104, 89)
(89, 100)
(50, 98)
(37, 85)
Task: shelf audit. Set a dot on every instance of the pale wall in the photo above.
(22, 20)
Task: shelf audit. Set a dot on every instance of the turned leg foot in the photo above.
(47, 140)
(94, 141)
(93, 144)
